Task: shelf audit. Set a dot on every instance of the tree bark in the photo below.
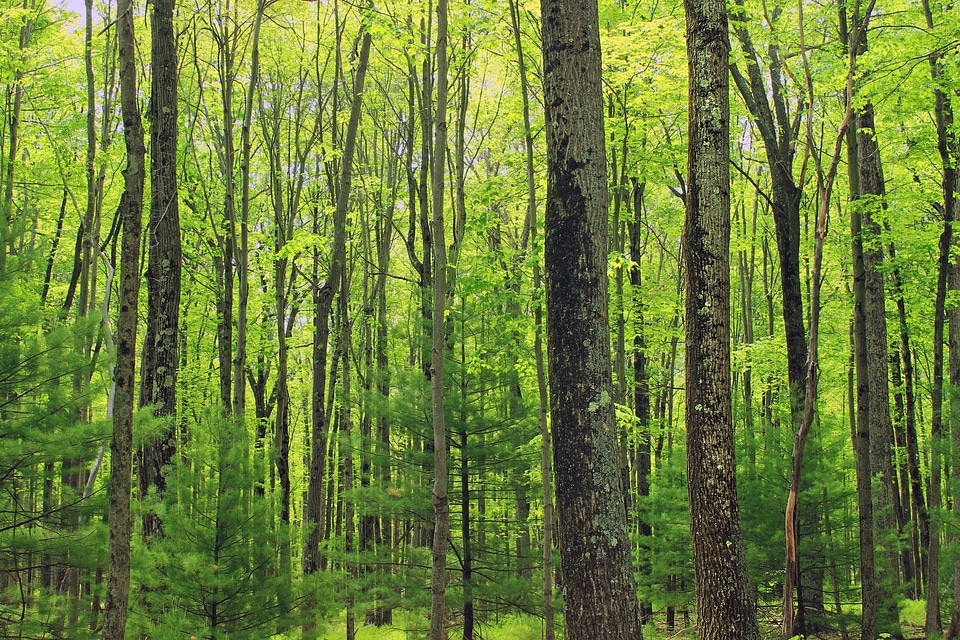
(886, 501)
(161, 341)
(441, 506)
(323, 301)
(949, 153)
(121, 447)
(601, 600)
(725, 606)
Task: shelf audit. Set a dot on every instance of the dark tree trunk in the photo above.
(158, 383)
(725, 608)
(601, 600)
(777, 133)
(641, 466)
(323, 301)
(886, 501)
(861, 439)
(121, 447)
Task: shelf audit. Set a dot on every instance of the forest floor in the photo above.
(531, 628)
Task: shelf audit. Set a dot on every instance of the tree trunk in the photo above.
(601, 600)
(886, 501)
(725, 607)
(14, 103)
(161, 341)
(949, 154)
(825, 182)
(441, 507)
(776, 130)
(323, 302)
(121, 447)
(545, 453)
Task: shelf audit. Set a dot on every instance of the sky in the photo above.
(76, 6)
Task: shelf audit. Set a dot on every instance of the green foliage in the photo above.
(667, 578)
(216, 571)
(45, 509)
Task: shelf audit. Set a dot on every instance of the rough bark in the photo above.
(441, 506)
(886, 500)
(861, 441)
(600, 596)
(121, 447)
(725, 607)
(158, 383)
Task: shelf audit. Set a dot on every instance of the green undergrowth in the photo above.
(409, 626)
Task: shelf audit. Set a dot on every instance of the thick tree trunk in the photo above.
(121, 448)
(886, 500)
(161, 342)
(601, 600)
(725, 607)
(861, 440)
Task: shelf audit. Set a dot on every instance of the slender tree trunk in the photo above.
(641, 386)
(776, 130)
(953, 632)
(911, 490)
(346, 449)
(870, 591)
(543, 400)
(600, 595)
(323, 301)
(949, 154)
(441, 507)
(725, 607)
(121, 448)
(13, 142)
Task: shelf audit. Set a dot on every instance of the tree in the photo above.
(162, 340)
(323, 299)
(601, 600)
(121, 446)
(441, 506)
(725, 606)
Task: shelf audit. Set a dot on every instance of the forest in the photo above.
(301, 335)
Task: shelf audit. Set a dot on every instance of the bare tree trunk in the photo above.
(825, 182)
(949, 154)
(600, 594)
(161, 341)
(323, 300)
(441, 507)
(531, 224)
(121, 448)
(725, 607)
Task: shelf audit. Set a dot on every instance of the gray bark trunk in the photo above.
(121, 447)
(725, 607)
(600, 595)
